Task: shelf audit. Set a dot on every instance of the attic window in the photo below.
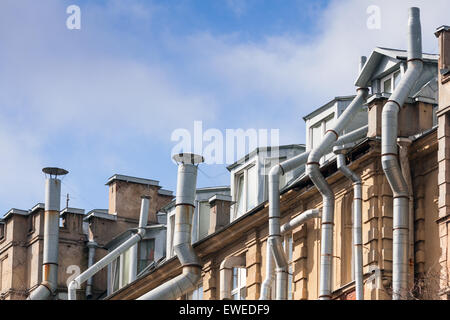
(2, 230)
(246, 190)
(390, 82)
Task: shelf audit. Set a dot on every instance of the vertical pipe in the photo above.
(389, 156)
(49, 283)
(274, 239)
(145, 205)
(91, 256)
(404, 144)
(266, 287)
(357, 221)
(184, 213)
(313, 171)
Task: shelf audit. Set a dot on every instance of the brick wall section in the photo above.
(444, 161)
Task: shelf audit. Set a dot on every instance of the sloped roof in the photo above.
(377, 55)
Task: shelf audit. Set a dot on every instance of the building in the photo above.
(22, 233)
(424, 132)
(230, 225)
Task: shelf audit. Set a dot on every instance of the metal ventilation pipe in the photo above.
(300, 219)
(389, 155)
(91, 255)
(274, 239)
(185, 205)
(313, 171)
(49, 283)
(357, 218)
(226, 273)
(404, 144)
(266, 286)
(110, 257)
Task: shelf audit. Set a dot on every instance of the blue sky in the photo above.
(105, 99)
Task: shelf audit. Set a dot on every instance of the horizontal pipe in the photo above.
(300, 219)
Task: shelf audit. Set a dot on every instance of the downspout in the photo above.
(274, 239)
(91, 255)
(266, 286)
(404, 144)
(49, 283)
(110, 257)
(389, 156)
(313, 171)
(226, 273)
(357, 219)
(185, 205)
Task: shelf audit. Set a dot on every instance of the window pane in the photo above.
(387, 86)
(316, 135)
(203, 228)
(146, 253)
(126, 267)
(240, 196)
(251, 188)
(115, 274)
(235, 279)
(396, 79)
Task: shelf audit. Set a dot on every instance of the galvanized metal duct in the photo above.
(110, 257)
(300, 219)
(404, 144)
(49, 283)
(226, 273)
(266, 286)
(357, 219)
(389, 156)
(184, 213)
(312, 170)
(91, 255)
(274, 239)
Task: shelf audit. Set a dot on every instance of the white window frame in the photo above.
(390, 77)
(241, 283)
(237, 176)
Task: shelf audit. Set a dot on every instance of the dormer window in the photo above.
(390, 82)
(246, 190)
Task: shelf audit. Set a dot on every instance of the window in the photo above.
(238, 289)
(390, 82)
(203, 219)
(246, 190)
(288, 249)
(115, 273)
(146, 253)
(196, 294)
(125, 260)
(2, 230)
(170, 252)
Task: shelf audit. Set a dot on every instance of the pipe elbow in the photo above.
(275, 171)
